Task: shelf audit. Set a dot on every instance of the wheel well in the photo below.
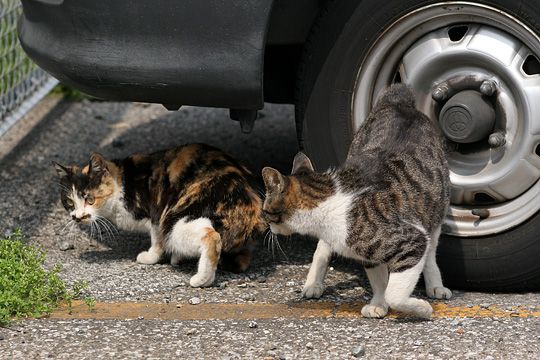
(289, 27)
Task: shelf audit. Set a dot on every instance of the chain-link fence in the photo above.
(22, 84)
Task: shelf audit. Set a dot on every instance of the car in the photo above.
(474, 66)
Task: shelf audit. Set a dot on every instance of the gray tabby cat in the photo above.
(383, 207)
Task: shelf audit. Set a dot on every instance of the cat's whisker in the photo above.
(98, 230)
(70, 233)
(106, 226)
(70, 222)
(111, 226)
(280, 248)
(103, 226)
(266, 235)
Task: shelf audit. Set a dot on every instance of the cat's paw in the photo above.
(439, 292)
(422, 309)
(147, 258)
(175, 260)
(374, 311)
(198, 280)
(313, 291)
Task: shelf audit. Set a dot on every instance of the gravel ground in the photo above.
(71, 131)
(276, 339)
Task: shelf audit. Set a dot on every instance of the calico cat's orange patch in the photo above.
(212, 241)
(180, 162)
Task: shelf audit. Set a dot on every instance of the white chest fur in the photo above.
(118, 214)
(329, 222)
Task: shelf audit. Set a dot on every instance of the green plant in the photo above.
(27, 289)
(90, 302)
(70, 93)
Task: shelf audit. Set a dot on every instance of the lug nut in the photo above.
(488, 87)
(440, 93)
(497, 139)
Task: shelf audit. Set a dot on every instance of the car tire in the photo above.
(340, 39)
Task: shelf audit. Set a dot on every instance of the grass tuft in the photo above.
(27, 289)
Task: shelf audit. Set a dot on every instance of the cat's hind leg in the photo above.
(432, 275)
(378, 279)
(237, 261)
(405, 268)
(153, 255)
(175, 259)
(314, 286)
(210, 250)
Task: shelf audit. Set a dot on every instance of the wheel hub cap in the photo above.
(467, 117)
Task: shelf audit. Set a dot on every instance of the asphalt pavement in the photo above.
(261, 323)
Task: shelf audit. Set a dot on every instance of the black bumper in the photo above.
(178, 52)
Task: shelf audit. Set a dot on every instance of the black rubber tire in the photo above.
(340, 39)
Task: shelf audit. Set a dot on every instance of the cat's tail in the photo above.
(396, 95)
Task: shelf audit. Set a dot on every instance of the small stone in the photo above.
(261, 279)
(243, 285)
(98, 117)
(65, 245)
(291, 283)
(359, 351)
(456, 322)
(191, 331)
(309, 345)
(248, 297)
(222, 285)
(140, 317)
(117, 143)
(331, 268)
(418, 343)
(194, 301)
(485, 305)
(252, 324)
(460, 331)
(1, 337)
(179, 305)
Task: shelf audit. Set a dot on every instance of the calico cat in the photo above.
(194, 200)
(383, 207)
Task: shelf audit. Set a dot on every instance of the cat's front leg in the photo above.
(153, 254)
(314, 286)
(175, 259)
(210, 253)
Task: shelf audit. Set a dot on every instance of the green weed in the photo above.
(27, 289)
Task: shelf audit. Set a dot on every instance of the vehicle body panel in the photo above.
(189, 52)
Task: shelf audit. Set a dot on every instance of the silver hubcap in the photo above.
(494, 179)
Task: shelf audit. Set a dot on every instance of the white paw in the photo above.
(175, 260)
(439, 293)
(198, 280)
(374, 311)
(313, 291)
(422, 309)
(148, 258)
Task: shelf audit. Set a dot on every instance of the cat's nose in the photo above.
(75, 218)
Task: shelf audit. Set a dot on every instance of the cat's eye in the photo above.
(271, 216)
(90, 200)
(69, 202)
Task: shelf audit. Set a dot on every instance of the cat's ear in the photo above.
(61, 170)
(97, 164)
(273, 180)
(301, 164)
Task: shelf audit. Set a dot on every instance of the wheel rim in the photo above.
(493, 188)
